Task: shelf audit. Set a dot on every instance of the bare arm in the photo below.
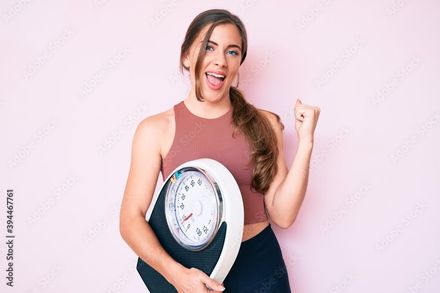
(138, 194)
(139, 190)
(287, 199)
(287, 191)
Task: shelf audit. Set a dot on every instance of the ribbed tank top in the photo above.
(197, 137)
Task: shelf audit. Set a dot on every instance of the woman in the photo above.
(214, 120)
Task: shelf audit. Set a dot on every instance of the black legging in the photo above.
(259, 266)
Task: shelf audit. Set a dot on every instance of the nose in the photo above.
(220, 59)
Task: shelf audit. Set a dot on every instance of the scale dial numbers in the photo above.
(193, 205)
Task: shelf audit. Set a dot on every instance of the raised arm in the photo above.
(287, 191)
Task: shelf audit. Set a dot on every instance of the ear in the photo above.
(186, 61)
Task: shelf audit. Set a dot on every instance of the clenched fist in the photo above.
(306, 118)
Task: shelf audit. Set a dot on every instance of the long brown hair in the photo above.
(245, 116)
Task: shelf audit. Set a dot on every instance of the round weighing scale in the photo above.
(198, 218)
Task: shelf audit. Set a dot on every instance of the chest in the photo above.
(203, 141)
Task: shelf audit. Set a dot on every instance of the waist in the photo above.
(251, 230)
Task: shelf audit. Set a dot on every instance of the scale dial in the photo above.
(193, 208)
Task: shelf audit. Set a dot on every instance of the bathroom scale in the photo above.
(198, 218)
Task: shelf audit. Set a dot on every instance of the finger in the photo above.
(299, 107)
(299, 115)
(213, 291)
(215, 288)
(209, 290)
(211, 283)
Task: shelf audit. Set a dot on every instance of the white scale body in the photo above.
(201, 207)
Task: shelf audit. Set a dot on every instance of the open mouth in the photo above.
(215, 81)
(219, 76)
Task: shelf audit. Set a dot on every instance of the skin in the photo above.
(218, 57)
(286, 192)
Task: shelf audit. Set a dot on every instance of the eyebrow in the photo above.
(231, 45)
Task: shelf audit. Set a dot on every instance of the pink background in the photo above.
(77, 76)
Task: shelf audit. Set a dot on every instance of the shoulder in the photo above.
(273, 118)
(153, 128)
(157, 122)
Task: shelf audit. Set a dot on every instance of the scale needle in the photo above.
(186, 218)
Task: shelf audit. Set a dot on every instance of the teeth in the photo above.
(216, 75)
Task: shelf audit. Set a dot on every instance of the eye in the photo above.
(208, 47)
(235, 53)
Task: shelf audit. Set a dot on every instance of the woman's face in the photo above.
(223, 56)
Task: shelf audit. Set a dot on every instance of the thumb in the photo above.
(212, 284)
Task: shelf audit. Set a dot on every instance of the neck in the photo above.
(208, 109)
